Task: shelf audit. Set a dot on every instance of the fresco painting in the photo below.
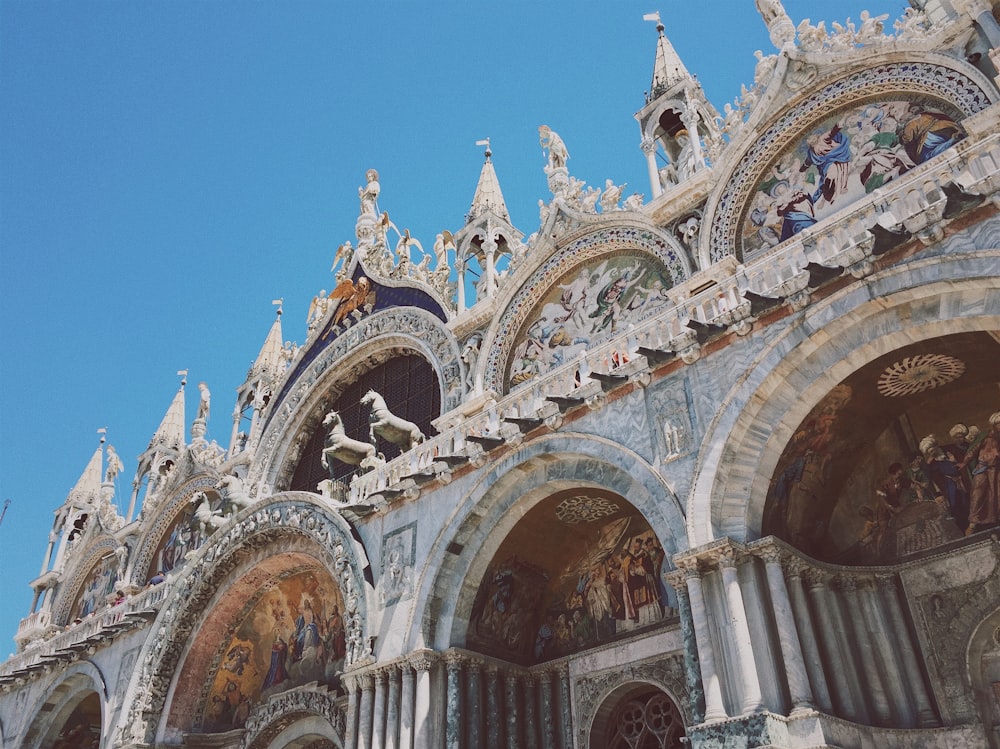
(585, 307)
(100, 585)
(292, 634)
(564, 581)
(842, 159)
(901, 457)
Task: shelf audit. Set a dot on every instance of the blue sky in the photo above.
(170, 168)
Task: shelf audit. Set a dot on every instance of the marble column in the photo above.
(875, 695)
(836, 665)
(453, 713)
(549, 715)
(422, 661)
(392, 709)
(791, 651)
(529, 683)
(378, 727)
(649, 148)
(406, 708)
(982, 14)
(877, 623)
(714, 708)
(511, 711)
(473, 714)
(906, 649)
(494, 726)
(365, 712)
(746, 665)
(692, 669)
(807, 636)
(565, 707)
(351, 729)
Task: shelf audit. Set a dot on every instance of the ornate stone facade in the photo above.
(721, 466)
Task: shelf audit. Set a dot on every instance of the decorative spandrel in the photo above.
(900, 457)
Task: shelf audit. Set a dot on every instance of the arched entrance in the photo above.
(74, 723)
(638, 716)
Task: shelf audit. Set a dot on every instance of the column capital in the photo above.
(422, 660)
(847, 583)
(454, 659)
(381, 674)
(561, 670)
(648, 145)
(726, 557)
(814, 577)
(771, 554)
(395, 673)
(689, 567)
(886, 581)
(474, 664)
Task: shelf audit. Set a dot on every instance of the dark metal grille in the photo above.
(411, 391)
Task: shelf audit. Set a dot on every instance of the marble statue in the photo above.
(204, 402)
(115, 466)
(550, 141)
(340, 447)
(388, 426)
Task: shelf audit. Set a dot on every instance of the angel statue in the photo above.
(342, 259)
(442, 243)
(115, 466)
(353, 298)
(549, 140)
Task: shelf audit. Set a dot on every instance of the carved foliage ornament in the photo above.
(209, 570)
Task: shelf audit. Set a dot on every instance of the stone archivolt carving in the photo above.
(590, 691)
(267, 720)
(927, 78)
(590, 246)
(283, 516)
(385, 332)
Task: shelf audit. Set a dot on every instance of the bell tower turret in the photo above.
(677, 120)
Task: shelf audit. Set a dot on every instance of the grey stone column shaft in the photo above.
(714, 708)
(746, 665)
(565, 709)
(843, 700)
(351, 730)
(900, 706)
(473, 718)
(906, 648)
(510, 710)
(548, 715)
(406, 708)
(378, 727)
(392, 710)
(365, 716)
(807, 638)
(875, 694)
(788, 638)
(530, 711)
(494, 727)
(453, 712)
(692, 669)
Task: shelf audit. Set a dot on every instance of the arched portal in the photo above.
(582, 568)
(81, 729)
(72, 715)
(638, 716)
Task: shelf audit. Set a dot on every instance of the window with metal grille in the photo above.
(411, 391)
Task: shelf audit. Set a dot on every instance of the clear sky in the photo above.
(169, 168)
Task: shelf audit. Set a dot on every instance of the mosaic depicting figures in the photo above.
(901, 457)
(293, 634)
(587, 306)
(565, 580)
(188, 531)
(99, 586)
(842, 159)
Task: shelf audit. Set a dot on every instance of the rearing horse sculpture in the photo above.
(389, 427)
(341, 447)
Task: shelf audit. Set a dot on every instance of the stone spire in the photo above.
(270, 359)
(667, 68)
(163, 451)
(171, 430)
(488, 196)
(88, 486)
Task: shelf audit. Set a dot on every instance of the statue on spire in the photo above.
(550, 141)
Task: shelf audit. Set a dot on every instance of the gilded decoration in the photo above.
(871, 104)
(623, 272)
(291, 633)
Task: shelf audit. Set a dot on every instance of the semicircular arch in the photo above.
(294, 717)
(95, 570)
(517, 483)
(932, 297)
(76, 683)
(361, 347)
(756, 170)
(302, 528)
(652, 256)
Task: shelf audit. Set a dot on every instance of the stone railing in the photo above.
(82, 635)
(915, 204)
